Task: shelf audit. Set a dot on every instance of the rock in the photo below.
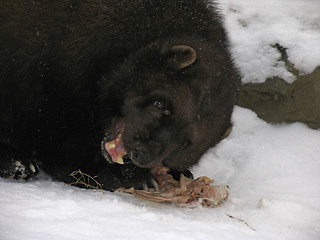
(276, 101)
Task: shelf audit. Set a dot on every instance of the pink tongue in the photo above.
(116, 149)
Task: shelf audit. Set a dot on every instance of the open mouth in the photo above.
(112, 146)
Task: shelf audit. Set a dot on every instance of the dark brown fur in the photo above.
(71, 69)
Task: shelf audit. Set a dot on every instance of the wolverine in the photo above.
(111, 87)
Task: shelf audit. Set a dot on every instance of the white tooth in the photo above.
(119, 160)
(33, 169)
(111, 145)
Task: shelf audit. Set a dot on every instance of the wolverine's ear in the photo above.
(181, 56)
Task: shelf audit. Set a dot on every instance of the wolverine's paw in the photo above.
(117, 176)
(14, 164)
(139, 178)
(21, 170)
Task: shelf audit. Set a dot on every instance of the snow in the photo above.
(272, 170)
(256, 25)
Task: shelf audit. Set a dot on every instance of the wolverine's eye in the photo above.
(159, 104)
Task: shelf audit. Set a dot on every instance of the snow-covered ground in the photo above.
(256, 25)
(276, 165)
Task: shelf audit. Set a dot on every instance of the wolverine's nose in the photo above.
(140, 156)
